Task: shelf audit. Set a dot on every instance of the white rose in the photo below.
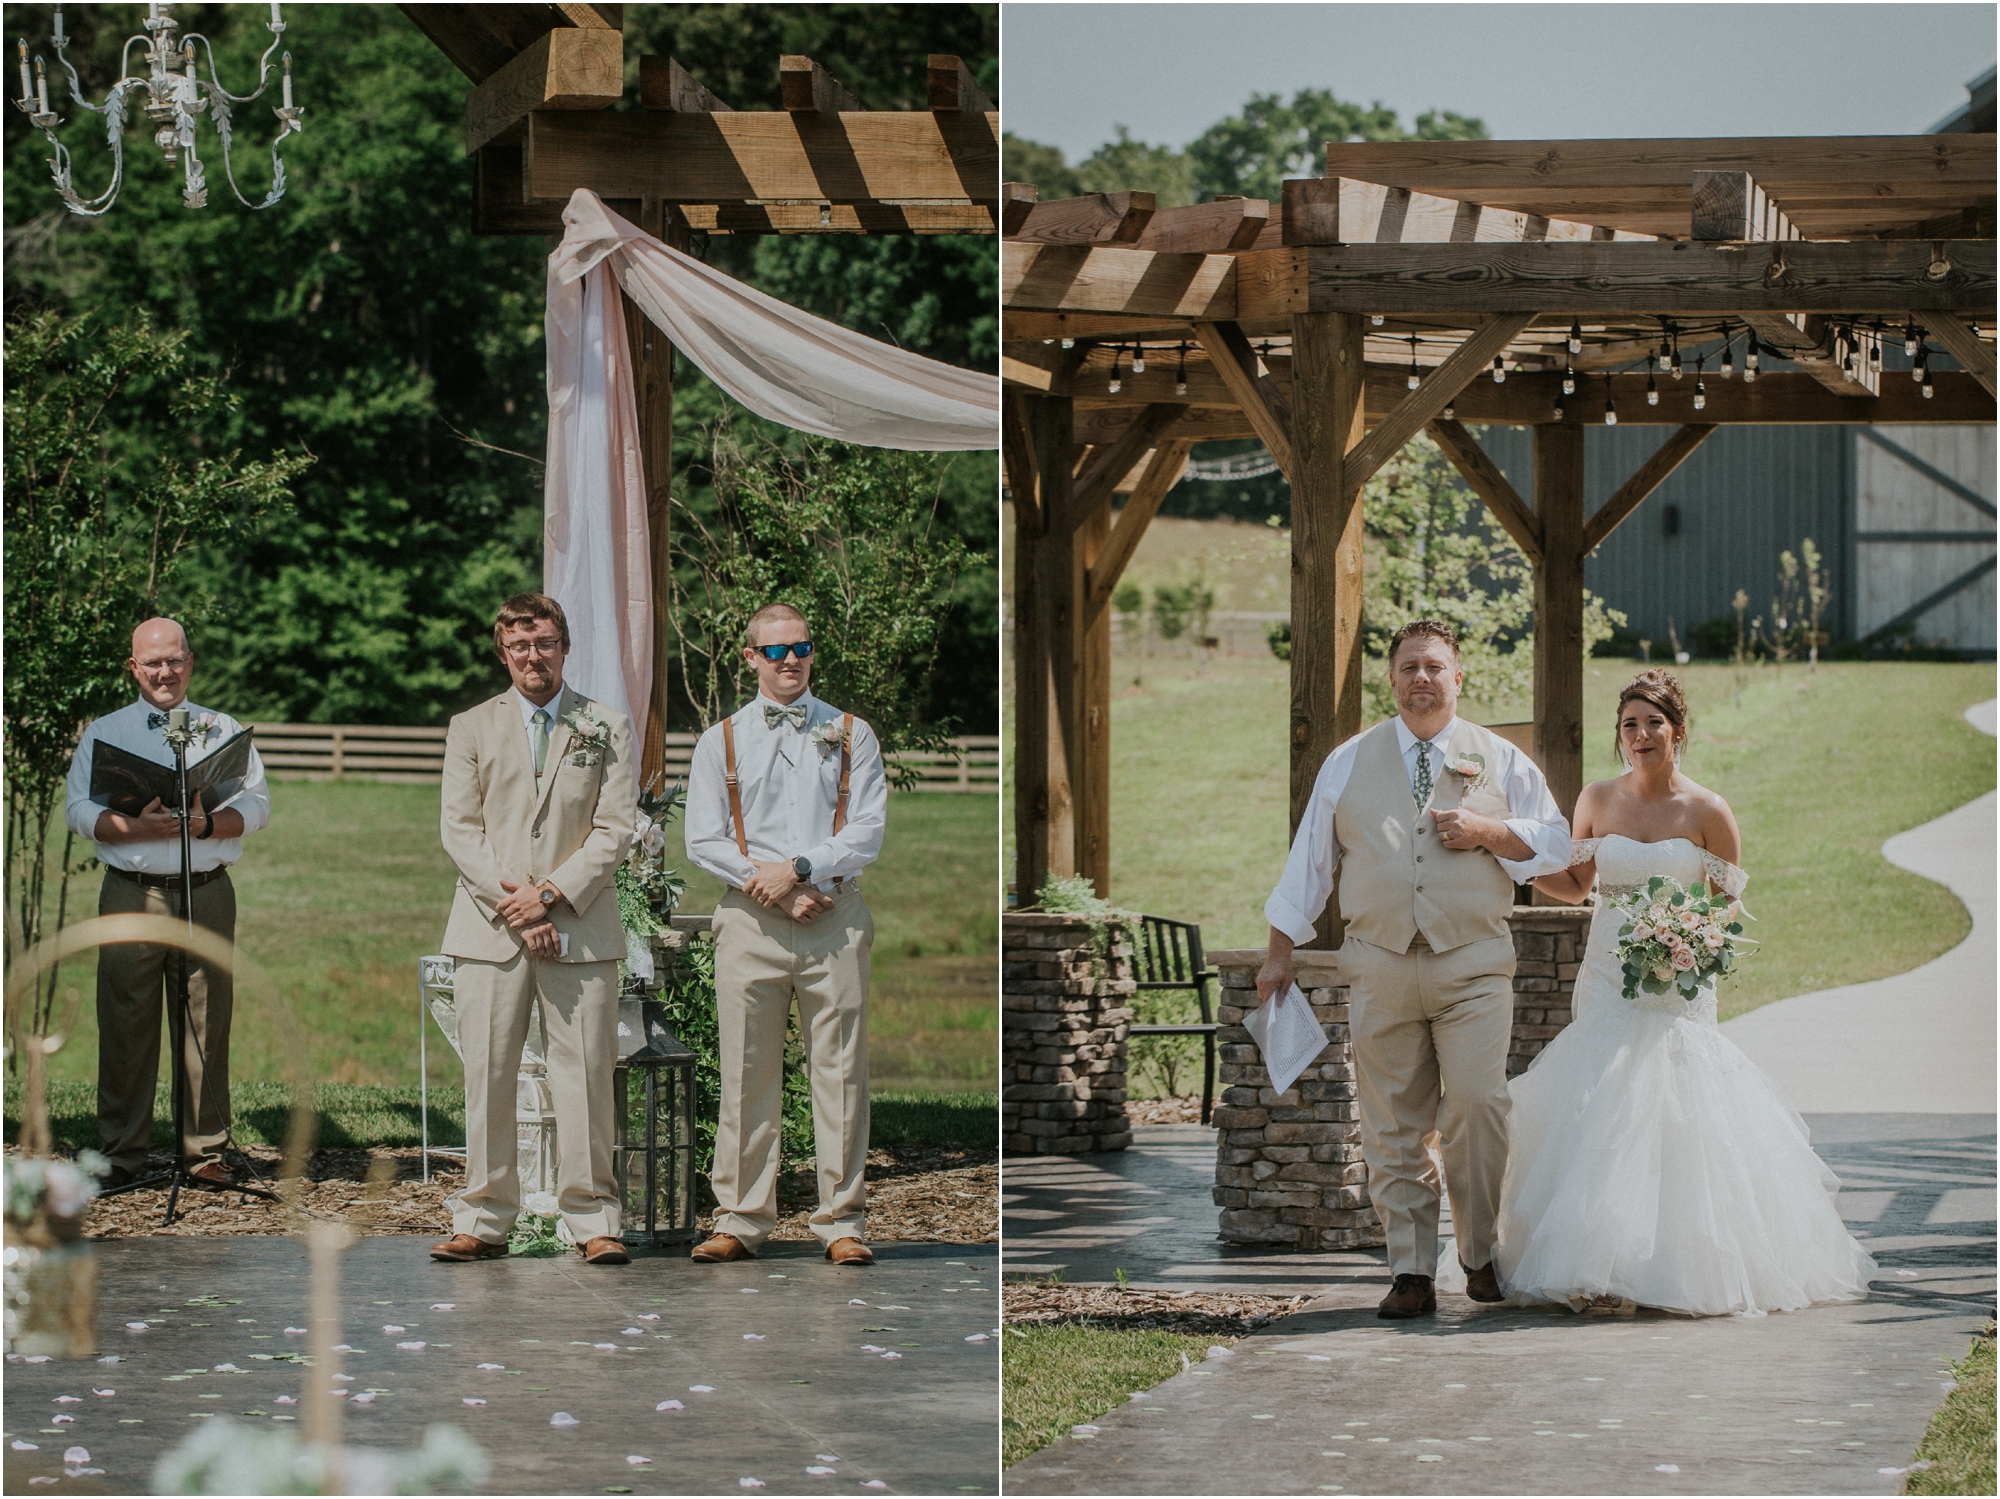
(655, 840)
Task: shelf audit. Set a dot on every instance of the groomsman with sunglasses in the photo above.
(786, 804)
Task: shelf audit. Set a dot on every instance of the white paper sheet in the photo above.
(1288, 1034)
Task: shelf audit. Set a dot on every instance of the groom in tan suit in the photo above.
(541, 793)
(1427, 823)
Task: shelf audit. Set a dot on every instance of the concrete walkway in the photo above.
(1923, 1041)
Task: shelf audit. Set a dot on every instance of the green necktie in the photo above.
(540, 738)
(1423, 774)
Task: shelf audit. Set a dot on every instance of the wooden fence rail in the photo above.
(335, 752)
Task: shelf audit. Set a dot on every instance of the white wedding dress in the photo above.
(1650, 1159)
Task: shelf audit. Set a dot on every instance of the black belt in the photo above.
(168, 881)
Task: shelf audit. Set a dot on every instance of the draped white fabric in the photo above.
(783, 364)
(596, 554)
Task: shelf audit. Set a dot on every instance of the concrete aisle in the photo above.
(1923, 1041)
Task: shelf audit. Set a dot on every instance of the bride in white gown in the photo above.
(1650, 1161)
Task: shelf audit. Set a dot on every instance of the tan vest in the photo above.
(1396, 878)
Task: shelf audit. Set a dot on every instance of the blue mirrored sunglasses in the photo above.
(799, 648)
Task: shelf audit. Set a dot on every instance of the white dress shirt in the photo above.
(554, 707)
(788, 783)
(1315, 858)
(127, 728)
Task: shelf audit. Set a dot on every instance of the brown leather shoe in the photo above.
(1410, 1296)
(605, 1250)
(461, 1248)
(850, 1252)
(212, 1176)
(719, 1249)
(1482, 1284)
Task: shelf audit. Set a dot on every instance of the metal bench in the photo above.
(1167, 955)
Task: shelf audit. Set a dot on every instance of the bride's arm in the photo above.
(1572, 885)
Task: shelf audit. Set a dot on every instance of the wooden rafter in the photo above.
(1967, 347)
(1434, 392)
(1339, 210)
(1093, 219)
(479, 40)
(665, 84)
(571, 67)
(1651, 474)
(949, 87)
(807, 88)
(1486, 481)
(1017, 452)
(1257, 395)
(1105, 466)
(1162, 472)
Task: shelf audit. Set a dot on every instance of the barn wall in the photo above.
(1894, 496)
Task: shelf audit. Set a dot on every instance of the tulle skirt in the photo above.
(1650, 1159)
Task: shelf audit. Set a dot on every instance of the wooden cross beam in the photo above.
(1967, 347)
(949, 87)
(807, 88)
(1093, 219)
(1435, 391)
(1484, 478)
(1257, 395)
(1163, 471)
(1650, 476)
(1340, 210)
(665, 84)
(573, 67)
(1106, 465)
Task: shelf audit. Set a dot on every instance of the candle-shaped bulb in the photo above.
(276, 19)
(177, 720)
(187, 52)
(41, 86)
(60, 38)
(288, 105)
(27, 83)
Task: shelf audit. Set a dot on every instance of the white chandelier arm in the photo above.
(263, 67)
(113, 110)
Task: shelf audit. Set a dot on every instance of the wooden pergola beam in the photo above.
(1967, 347)
(1257, 394)
(1558, 668)
(949, 87)
(807, 88)
(1084, 278)
(766, 157)
(1341, 210)
(1162, 472)
(571, 67)
(665, 84)
(1093, 219)
(1809, 341)
(1650, 476)
(1483, 476)
(1731, 206)
(1098, 478)
(1223, 224)
(1435, 391)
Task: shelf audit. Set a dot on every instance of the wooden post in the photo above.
(1559, 610)
(1090, 762)
(1044, 837)
(653, 381)
(1327, 415)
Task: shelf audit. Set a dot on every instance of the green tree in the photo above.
(99, 528)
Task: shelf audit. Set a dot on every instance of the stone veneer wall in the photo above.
(1288, 1167)
(1065, 1008)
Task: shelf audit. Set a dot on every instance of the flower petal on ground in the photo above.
(63, 1420)
(135, 1327)
(492, 1366)
(873, 1483)
(748, 1290)
(670, 1405)
(978, 1337)
(633, 1332)
(295, 1332)
(564, 1418)
(345, 1378)
(471, 1400)
(892, 1355)
(109, 1358)
(1901, 1275)
(605, 1347)
(444, 1306)
(649, 1316)
(820, 1471)
(106, 1393)
(826, 1457)
(1085, 1426)
(393, 1327)
(20, 1446)
(857, 1301)
(366, 1397)
(286, 1400)
(871, 1348)
(410, 1347)
(702, 1389)
(753, 1337)
(69, 1400)
(1666, 1467)
(749, 1483)
(636, 1461)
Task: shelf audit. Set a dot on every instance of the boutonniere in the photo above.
(829, 736)
(1468, 766)
(589, 737)
(202, 728)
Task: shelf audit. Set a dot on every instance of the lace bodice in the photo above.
(1624, 864)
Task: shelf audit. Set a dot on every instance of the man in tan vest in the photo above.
(787, 800)
(1427, 823)
(541, 794)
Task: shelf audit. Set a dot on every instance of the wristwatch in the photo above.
(548, 897)
(802, 867)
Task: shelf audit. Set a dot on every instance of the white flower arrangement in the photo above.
(65, 1188)
(589, 737)
(1469, 766)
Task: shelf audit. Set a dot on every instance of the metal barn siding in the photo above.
(1716, 525)
(1925, 532)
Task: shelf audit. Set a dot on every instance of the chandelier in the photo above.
(174, 99)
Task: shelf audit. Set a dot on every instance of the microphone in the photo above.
(177, 721)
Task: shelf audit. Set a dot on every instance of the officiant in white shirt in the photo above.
(141, 855)
(786, 804)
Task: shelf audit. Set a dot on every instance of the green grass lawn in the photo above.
(1820, 768)
(348, 887)
(1059, 1376)
(1959, 1443)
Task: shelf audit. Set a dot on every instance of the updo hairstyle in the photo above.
(1660, 689)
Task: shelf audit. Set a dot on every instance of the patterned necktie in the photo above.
(1423, 788)
(775, 715)
(540, 738)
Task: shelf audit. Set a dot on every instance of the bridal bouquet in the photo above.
(1676, 939)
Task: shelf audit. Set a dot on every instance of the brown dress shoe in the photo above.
(850, 1252)
(1482, 1284)
(719, 1249)
(212, 1176)
(605, 1250)
(461, 1248)
(1410, 1296)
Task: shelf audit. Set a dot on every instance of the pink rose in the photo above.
(1713, 939)
(1684, 959)
(1642, 933)
(1689, 921)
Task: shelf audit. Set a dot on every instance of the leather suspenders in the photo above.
(736, 794)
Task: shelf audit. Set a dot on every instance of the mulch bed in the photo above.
(1183, 1110)
(1200, 1313)
(924, 1192)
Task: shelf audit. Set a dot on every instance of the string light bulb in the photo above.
(1569, 378)
(1499, 369)
(1652, 391)
(1675, 363)
(1448, 411)
(1138, 359)
(1117, 384)
(1700, 388)
(1610, 406)
(1920, 371)
(1728, 358)
(1750, 360)
(1415, 377)
(1575, 336)
(1375, 320)
(1875, 353)
(1661, 359)
(1910, 339)
(1069, 343)
(1927, 385)
(1180, 373)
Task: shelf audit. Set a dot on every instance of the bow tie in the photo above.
(775, 715)
(156, 720)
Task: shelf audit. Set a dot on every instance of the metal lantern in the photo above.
(654, 1086)
(536, 1156)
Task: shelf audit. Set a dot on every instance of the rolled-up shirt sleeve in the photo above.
(1315, 857)
(709, 828)
(1535, 820)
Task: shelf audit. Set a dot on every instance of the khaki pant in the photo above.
(763, 959)
(579, 1009)
(1422, 1021)
(132, 986)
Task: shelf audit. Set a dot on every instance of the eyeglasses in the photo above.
(799, 648)
(165, 663)
(544, 645)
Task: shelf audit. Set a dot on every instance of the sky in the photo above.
(1071, 72)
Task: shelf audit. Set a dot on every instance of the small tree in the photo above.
(1745, 635)
(1817, 595)
(1786, 606)
(849, 535)
(102, 511)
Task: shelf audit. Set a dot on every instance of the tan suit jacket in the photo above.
(574, 829)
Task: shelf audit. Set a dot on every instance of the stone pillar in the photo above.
(1065, 1009)
(1288, 1167)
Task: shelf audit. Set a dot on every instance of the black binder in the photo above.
(128, 783)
